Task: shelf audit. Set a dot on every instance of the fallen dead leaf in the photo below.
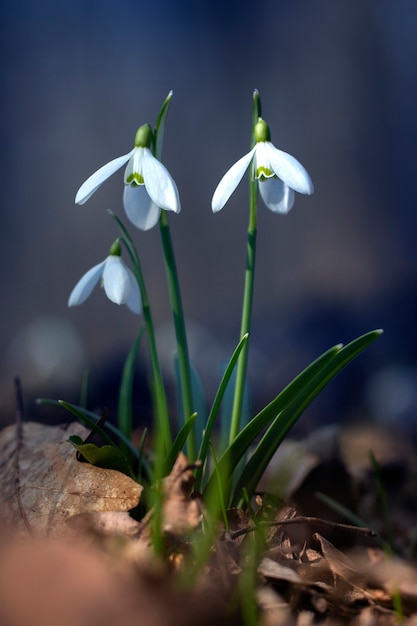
(78, 583)
(42, 484)
(180, 511)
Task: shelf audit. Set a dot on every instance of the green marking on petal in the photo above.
(263, 173)
(135, 179)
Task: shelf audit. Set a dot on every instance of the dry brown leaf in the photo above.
(42, 484)
(79, 583)
(105, 523)
(338, 562)
(180, 511)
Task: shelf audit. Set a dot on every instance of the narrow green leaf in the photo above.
(215, 409)
(126, 388)
(199, 398)
(141, 448)
(160, 125)
(227, 411)
(220, 480)
(305, 387)
(90, 419)
(179, 442)
(247, 435)
(286, 418)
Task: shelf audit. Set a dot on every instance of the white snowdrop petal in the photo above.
(289, 169)
(116, 281)
(95, 180)
(159, 183)
(277, 196)
(86, 285)
(261, 160)
(134, 302)
(139, 208)
(134, 165)
(230, 181)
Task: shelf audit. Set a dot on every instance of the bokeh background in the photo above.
(338, 87)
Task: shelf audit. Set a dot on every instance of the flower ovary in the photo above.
(261, 131)
(144, 137)
(115, 249)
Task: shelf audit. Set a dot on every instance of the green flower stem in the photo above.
(159, 397)
(180, 332)
(249, 284)
(161, 407)
(246, 314)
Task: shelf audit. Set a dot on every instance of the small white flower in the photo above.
(118, 281)
(279, 175)
(149, 187)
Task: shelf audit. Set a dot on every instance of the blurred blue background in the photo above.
(338, 87)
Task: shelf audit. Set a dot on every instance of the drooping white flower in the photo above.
(117, 279)
(278, 174)
(149, 187)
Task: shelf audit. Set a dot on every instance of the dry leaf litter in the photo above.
(72, 555)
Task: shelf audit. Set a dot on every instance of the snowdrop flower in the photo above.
(278, 174)
(118, 281)
(149, 187)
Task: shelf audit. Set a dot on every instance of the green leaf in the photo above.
(211, 420)
(106, 456)
(160, 125)
(179, 442)
(126, 387)
(198, 395)
(286, 418)
(227, 410)
(313, 378)
(90, 419)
